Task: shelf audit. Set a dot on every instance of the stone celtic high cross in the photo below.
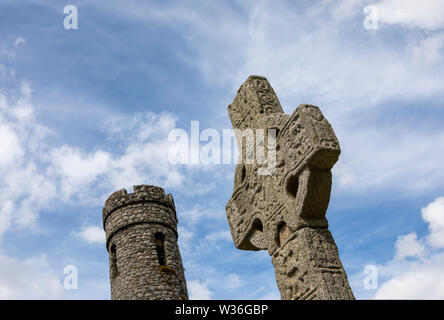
(284, 212)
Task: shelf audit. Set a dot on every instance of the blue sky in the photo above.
(86, 112)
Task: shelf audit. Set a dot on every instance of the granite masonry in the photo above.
(284, 211)
(141, 239)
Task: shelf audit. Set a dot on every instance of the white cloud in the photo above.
(380, 157)
(425, 14)
(24, 188)
(409, 246)
(233, 282)
(214, 240)
(10, 148)
(199, 212)
(434, 215)
(92, 234)
(185, 237)
(28, 279)
(221, 235)
(77, 169)
(26, 91)
(414, 280)
(198, 290)
(144, 156)
(429, 49)
(228, 283)
(416, 269)
(19, 41)
(5, 215)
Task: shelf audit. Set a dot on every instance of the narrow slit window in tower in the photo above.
(113, 260)
(159, 241)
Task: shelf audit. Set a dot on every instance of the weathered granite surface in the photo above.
(141, 238)
(284, 211)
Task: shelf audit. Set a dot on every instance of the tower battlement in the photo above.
(147, 204)
(142, 193)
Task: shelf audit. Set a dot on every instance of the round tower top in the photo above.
(142, 193)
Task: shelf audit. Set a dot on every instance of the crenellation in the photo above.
(141, 194)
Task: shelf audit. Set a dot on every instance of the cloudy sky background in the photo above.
(86, 112)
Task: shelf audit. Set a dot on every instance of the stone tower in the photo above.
(141, 239)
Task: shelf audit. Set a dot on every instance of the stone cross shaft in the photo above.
(284, 212)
